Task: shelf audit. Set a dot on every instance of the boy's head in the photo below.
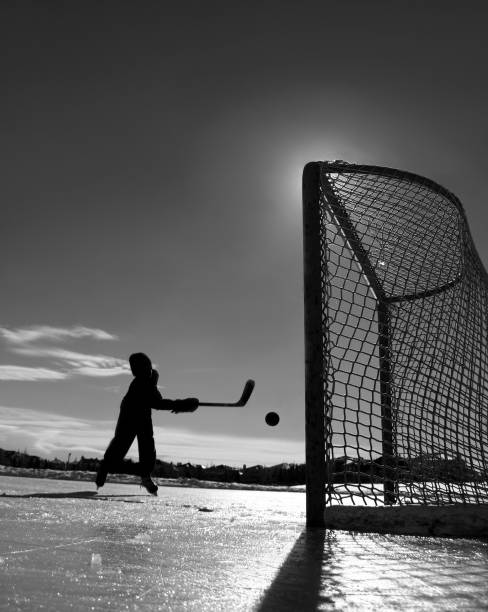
(140, 365)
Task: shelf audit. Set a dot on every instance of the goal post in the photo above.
(315, 392)
(396, 344)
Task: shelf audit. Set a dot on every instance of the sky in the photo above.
(151, 196)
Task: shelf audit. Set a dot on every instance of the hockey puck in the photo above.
(272, 419)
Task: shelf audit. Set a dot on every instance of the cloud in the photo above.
(102, 372)
(15, 372)
(80, 363)
(175, 444)
(71, 362)
(34, 333)
(50, 435)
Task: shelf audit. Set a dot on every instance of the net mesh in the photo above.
(404, 341)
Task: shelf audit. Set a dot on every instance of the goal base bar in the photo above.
(459, 520)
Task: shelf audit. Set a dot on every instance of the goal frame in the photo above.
(317, 395)
(315, 381)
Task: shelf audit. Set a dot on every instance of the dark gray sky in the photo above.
(152, 156)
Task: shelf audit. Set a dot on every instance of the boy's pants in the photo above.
(125, 432)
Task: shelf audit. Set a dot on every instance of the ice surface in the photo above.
(65, 548)
(187, 549)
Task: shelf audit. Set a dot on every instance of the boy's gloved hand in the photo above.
(190, 404)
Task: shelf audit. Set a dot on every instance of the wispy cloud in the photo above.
(52, 435)
(102, 372)
(35, 333)
(24, 341)
(17, 373)
(215, 448)
(79, 363)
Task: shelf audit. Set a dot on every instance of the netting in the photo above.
(404, 319)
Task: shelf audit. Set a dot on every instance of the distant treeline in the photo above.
(416, 469)
(288, 474)
(341, 470)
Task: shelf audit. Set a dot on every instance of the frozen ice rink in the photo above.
(65, 548)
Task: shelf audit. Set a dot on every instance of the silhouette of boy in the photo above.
(135, 420)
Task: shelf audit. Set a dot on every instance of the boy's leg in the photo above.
(147, 451)
(116, 451)
(147, 458)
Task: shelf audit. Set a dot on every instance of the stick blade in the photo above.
(246, 393)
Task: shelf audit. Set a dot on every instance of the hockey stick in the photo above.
(246, 394)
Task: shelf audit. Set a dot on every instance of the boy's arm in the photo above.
(189, 404)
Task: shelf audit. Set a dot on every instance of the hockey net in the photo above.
(404, 320)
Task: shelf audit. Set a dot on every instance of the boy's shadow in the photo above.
(69, 495)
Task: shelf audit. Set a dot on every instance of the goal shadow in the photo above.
(299, 581)
(329, 569)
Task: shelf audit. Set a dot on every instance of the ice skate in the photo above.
(149, 485)
(101, 477)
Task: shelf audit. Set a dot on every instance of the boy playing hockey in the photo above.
(135, 420)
